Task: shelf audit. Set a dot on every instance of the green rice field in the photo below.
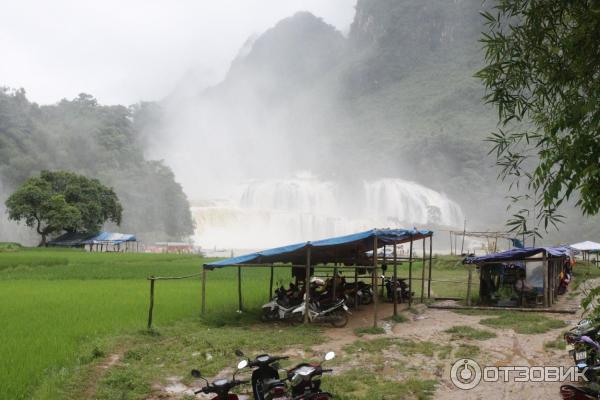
(56, 306)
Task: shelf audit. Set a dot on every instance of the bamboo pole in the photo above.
(239, 279)
(374, 274)
(462, 246)
(545, 264)
(395, 295)
(423, 275)
(382, 272)
(307, 284)
(356, 300)
(469, 280)
(410, 263)
(430, 262)
(271, 283)
(151, 309)
(203, 290)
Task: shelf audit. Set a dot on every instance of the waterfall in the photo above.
(275, 212)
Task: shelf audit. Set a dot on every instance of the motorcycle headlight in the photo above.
(296, 379)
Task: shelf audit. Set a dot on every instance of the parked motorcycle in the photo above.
(305, 380)
(570, 392)
(363, 291)
(402, 292)
(335, 313)
(282, 305)
(266, 384)
(221, 387)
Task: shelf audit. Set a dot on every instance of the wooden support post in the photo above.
(430, 261)
(423, 274)
(395, 286)
(239, 289)
(469, 281)
(382, 272)
(410, 263)
(451, 252)
(545, 263)
(356, 299)
(307, 284)
(151, 309)
(203, 290)
(334, 281)
(462, 246)
(374, 274)
(271, 283)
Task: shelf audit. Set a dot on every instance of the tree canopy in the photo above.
(542, 73)
(91, 139)
(59, 201)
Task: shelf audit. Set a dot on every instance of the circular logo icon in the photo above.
(465, 374)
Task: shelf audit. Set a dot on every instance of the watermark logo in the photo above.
(466, 374)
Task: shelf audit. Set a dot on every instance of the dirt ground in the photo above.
(427, 324)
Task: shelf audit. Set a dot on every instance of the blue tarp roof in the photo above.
(349, 249)
(78, 239)
(518, 254)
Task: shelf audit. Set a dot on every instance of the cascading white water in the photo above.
(275, 212)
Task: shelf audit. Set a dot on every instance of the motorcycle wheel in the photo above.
(339, 319)
(269, 316)
(366, 299)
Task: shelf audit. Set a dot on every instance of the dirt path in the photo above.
(99, 371)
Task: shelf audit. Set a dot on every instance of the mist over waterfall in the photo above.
(275, 212)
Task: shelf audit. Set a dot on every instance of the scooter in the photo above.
(221, 387)
(570, 392)
(402, 292)
(336, 313)
(266, 384)
(363, 291)
(283, 304)
(305, 380)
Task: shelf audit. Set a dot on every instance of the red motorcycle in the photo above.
(221, 387)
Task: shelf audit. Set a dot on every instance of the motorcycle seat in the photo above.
(272, 383)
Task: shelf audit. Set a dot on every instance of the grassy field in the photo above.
(61, 308)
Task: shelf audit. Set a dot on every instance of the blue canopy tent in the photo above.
(349, 250)
(552, 259)
(99, 240)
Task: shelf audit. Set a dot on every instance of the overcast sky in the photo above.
(123, 51)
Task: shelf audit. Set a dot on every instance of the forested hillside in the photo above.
(103, 142)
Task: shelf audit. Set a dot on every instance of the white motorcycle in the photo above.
(336, 313)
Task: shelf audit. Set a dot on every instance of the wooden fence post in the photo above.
(395, 295)
(203, 290)
(151, 302)
(430, 261)
(469, 280)
(410, 263)
(423, 275)
(240, 289)
(374, 275)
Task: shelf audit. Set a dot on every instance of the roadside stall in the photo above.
(524, 277)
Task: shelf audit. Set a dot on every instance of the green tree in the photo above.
(542, 72)
(57, 201)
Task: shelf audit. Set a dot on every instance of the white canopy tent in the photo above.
(586, 248)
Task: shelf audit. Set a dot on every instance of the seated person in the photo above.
(523, 288)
